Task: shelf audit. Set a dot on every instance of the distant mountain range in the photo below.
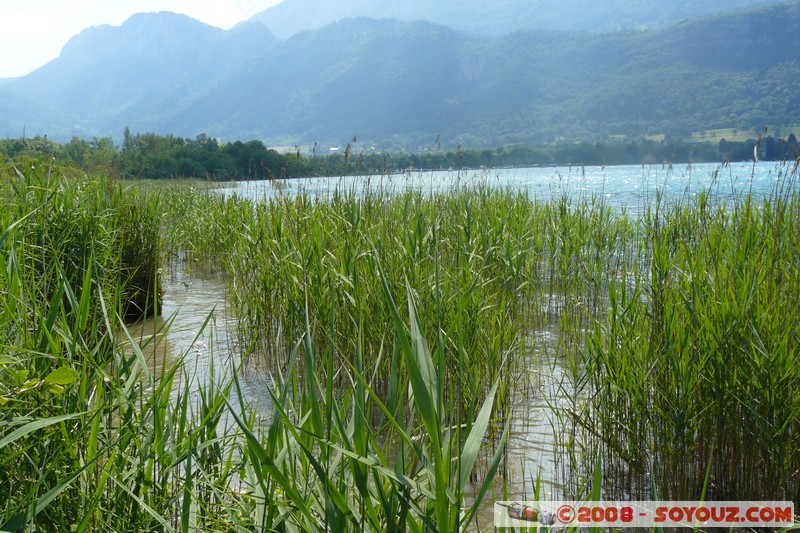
(396, 83)
(107, 77)
(500, 17)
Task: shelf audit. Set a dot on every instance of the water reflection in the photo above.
(534, 466)
(198, 326)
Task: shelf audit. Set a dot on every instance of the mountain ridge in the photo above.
(400, 84)
(501, 16)
(108, 71)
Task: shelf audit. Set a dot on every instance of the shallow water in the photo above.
(533, 460)
(198, 325)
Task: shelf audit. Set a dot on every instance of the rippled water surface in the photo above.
(628, 186)
(198, 326)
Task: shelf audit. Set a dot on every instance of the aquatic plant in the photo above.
(689, 384)
(393, 329)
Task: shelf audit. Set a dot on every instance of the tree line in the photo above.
(152, 156)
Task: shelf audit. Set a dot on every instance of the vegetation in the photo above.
(93, 441)
(68, 273)
(152, 156)
(688, 379)
(394, 327)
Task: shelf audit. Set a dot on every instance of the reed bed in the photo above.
(92, 440)
(67, 394)
(691, 381)
(465, 271)
(394, 328)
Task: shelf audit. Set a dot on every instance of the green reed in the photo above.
(465, 269)
(91, 439)
(64, 268)
(393, 326)
(323, 464)
(689, 384)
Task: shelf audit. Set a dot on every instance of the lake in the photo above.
(625, 186)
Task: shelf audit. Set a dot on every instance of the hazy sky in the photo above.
(32, 32)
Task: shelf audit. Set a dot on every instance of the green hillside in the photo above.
(387, 80)
(412, 84)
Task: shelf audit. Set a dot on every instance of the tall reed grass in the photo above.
(66, 276)
(465, 271)
(92, 440)
(647, 307)
(692, 379)
(393, 328)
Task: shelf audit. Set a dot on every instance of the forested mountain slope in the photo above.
(405, 84)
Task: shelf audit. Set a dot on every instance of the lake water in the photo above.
(625, 186)
(198, 327)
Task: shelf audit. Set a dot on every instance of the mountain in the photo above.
(386, 80)
(20, 116)
(153, 62)
(376, 78)
(405, 84)
(500, 16)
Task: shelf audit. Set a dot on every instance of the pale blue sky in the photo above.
(33, 32)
